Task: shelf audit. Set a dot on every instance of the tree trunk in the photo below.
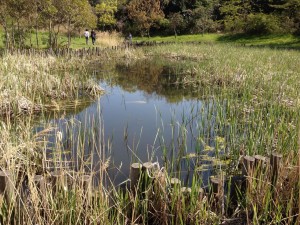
(50, 35)
(6, 35)
(36, 34)
(69, 33)
(13, 35)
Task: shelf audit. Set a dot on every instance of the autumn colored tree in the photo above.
(145, 14)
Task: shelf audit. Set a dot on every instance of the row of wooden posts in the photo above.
(152, 174)
(220, 188)
(66, 52)
(52, 181)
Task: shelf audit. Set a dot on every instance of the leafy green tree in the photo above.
(4, 21)
(145, 14)
(289, 11)
(235, 13)
(106, 13)
(203, 22)
(73, 14)
(16, 19)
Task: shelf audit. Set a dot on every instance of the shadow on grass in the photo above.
(272, 41)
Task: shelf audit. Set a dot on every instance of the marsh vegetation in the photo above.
(224, 102)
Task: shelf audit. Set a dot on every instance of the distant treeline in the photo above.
(19, 18)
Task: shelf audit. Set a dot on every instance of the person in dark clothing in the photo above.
(93, 36)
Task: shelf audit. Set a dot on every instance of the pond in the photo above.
(144, 115)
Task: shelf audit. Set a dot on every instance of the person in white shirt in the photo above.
(87, 35)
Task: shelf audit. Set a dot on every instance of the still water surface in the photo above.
(140, 119)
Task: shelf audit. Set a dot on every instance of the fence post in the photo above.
(135, 173)
(7, 186)
(275, 161)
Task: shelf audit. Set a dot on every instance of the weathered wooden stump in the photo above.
(40, 183)
(248, 165)
(259, 165)
(175, 183)
(234, 191)
(135, 174)
(216, 194)
(7, 186)
(275, 162)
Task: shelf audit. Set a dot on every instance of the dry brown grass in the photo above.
(107, 39)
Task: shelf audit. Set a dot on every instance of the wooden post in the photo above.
(135, 173)
(55, 179)
(86, 181)
(201, 194)
(175, 183)
(248, 164)
(259, 162)
(186, 191)
(148, 171)
(275, 162)
(234, 191)
(7, 186)
(217, 194)
(215, 185)
(40, 183)
(247, 171)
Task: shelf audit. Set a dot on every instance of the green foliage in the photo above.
(203, 22)
(235, 13)
(176, 22)
(106, 13)
(262, 24)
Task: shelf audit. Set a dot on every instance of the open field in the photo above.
(255, 95)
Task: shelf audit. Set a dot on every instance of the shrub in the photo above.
(262, 24)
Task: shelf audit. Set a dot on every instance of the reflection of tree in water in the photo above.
(155, 78)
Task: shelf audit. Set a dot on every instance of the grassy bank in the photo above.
(275, 41)
(103, 39)
(108, 39)
(255, 96)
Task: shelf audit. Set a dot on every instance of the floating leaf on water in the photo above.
(191, 155)
(220, 140)
(206, 158)
(204, 167)
(220, 162)
(208, 148)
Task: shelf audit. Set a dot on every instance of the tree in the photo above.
(235, 13)
(106, 13)
(73, 14)
(145, 14)
(4, 21)
(176, 22)
(289, 11)
(16, 18)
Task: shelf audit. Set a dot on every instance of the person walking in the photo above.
(93, 36)
(130, 38)
(87, 35)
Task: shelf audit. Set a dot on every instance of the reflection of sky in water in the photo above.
(147, 121)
